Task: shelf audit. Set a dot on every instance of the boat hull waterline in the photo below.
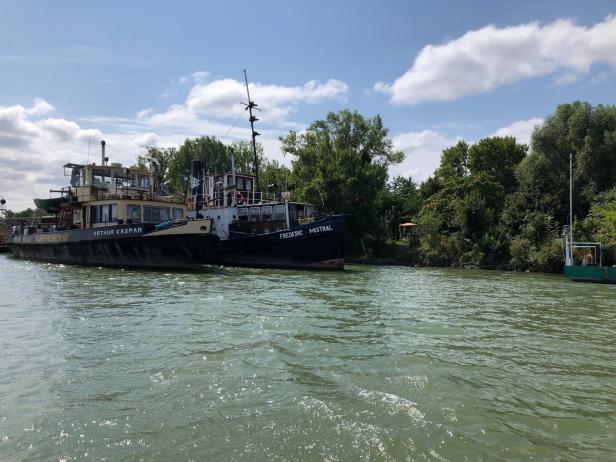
(591, 273)
(317, 245)
(125, 246)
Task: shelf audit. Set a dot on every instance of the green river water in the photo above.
(376, 363)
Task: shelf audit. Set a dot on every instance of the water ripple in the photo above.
(242, 364)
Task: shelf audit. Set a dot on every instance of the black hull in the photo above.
(155, 252)
(319, 245)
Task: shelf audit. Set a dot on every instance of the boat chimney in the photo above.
(103, 158)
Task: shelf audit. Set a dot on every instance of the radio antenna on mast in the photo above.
(250, 106)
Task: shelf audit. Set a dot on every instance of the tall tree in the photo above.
(497, 157)
(341, 163)
(161, 157)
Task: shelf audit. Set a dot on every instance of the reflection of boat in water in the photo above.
(114, 216)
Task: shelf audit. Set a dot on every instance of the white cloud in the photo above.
(33, 150)
(40, 107)
(33, 147)
(484, 59)
(195, 77)
(566, 78)
(222, 98)
(521, 130)
(423, 151)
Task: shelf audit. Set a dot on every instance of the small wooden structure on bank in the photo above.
(405, 232)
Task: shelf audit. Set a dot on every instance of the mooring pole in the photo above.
(570, 249)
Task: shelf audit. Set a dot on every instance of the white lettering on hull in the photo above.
(291, 234)
(300, 232)
(117, 232)
(320, 229)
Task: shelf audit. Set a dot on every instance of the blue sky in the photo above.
(153, 73)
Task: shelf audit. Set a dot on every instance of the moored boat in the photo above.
(260, 230)
(114, 216)
(584, 262)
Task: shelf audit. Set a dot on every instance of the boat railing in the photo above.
(224, 198)
(583, 253)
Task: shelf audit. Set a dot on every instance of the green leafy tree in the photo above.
(274, 178)
(400, 203)
(27, 213)
(600, 224)
(217, 157)
(461, 213)
(497, 157)
(161, 157)
(454, 162)
(341, 163)
(586, 132)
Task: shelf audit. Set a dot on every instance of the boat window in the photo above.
(255, 213)
(133, 213)
(105, 213)
(113, 212)
(309, 211)
(247, 184)
(243, 214)
(101, 178)
(279, 213)
(143, 181)
(177, 213)
(267, 212)
(125, 182)
(294, 214)
(155, 214)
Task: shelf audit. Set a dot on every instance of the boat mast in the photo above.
(251, 104)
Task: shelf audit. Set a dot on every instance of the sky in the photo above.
(152, 73)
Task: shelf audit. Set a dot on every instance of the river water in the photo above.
(376, 363)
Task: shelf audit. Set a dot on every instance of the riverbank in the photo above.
(400, 253)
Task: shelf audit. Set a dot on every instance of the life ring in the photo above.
(239, 198)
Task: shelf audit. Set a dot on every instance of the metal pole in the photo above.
(570, 208)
